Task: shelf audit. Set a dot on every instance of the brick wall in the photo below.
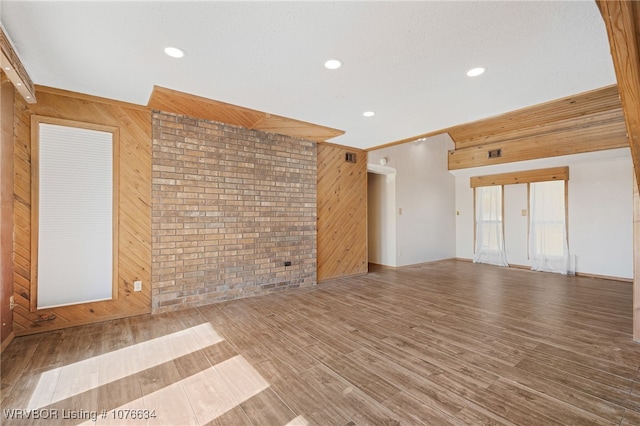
(230, 206)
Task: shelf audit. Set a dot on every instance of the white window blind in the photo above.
(548, 247)
(75, 215)
(489, 229)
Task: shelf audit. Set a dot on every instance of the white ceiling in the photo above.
(406, 61)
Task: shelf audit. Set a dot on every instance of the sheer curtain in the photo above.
(548, 247)
(489, 229)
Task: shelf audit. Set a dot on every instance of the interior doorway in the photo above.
(381, 208)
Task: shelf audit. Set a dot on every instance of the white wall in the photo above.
(464, 218)
(381, 207)
(425, 192)
(601, 217)
(600, 211)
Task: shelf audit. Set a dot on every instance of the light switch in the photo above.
(524, 212)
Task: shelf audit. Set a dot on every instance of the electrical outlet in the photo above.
(12, 303)
(137, 286)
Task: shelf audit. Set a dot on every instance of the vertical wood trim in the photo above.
(622, 20)
(475, 219)
(115, 215)
(35, 209)
(7, 96)
(504, 239)
(636, 263)
(566, 212)
(6, 341)
(528, 220)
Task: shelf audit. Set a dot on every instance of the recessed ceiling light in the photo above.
(174, 52)
(7, 68)
(474, 72)
(332, 64)
(369, 114)
(18, 84)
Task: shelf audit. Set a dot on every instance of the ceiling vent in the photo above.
(495, 153)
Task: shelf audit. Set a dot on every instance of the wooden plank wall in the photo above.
(342, 212)
(134, 256)
(7, 96)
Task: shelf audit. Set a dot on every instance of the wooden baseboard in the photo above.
(30, 331)
(6, 341)
(604, 277)
(342, 276)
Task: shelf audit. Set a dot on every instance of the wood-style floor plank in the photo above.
(444, 343)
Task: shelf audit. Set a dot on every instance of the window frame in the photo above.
(36, 120)
(513, 178)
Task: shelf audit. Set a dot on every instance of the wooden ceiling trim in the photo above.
(411, 139)
(89, 98)
(300, 129)
(527, 176)
(196, 106)
(14, 70)
(565, 142)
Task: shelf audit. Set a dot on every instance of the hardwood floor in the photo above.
(443, 343)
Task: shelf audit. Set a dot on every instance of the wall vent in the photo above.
(350, 157)
(495, 153)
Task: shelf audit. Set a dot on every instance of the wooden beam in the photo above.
(13, 68)
(524, 129)
(565, 142)
(622, 19)
(527, 176)
(574, 111)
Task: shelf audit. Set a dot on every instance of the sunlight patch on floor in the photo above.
(197, 399)
(73, 379)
